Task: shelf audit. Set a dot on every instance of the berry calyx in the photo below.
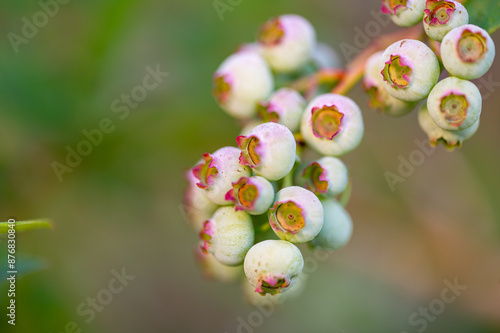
(396, 72)
(252, 194)
(326, 121)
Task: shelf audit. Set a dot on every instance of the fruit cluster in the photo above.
(408, 71)
(284, 184)
(254, 203)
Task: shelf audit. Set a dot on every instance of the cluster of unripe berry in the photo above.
(408, 71)
(283, 184)
(254, 203)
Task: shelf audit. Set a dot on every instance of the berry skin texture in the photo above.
(467, 52)
(404, 13)
(409, 70)
(454, 104)
(197, 207)
(450, 139)
(441, 16)
(218, 171)
(228, 235)
(332, 124)
(327, 176)
(337, 227)
(241, 81)
(287, 42)
(285, 107)
(252, 194)
(379, 97)
(297, 215)
(269, 150)
(273, 266)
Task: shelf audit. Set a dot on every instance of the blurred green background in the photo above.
(120, 206)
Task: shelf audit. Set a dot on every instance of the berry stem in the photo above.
(309, 84)
(355, 69)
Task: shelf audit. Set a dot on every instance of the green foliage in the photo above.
(484, 13)
(26, 225)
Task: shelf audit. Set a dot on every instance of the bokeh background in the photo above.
(120, 206)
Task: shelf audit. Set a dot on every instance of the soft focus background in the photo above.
(119, 208)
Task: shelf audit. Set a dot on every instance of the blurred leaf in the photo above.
(484, 13)
(26, 225)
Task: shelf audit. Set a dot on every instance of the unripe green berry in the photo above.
(269, 150)
(252, 194)
(404, 13)
(297, 215)
(228, 235)
(467, 52)
(332, 124)
(337, 227)
(454, 104)
(273, 266)
(328, 176)
(450, 139)
(287, 42)
(379, 97)
(441, 16)
(218, 171)
(409, 69)
(240, 82)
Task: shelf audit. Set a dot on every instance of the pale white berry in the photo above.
(409, 69)
(441, 16)
(332, 124)
(297, 215)
(327, 176)
(467, 52)
(228, 235)
(337, 227)
(285, 107)
(454, 104)
(404, 13)
(273, 266)
(269, 150)
(252, 194)
(379, 98)
(217, 173)
(240, 82)
(450, 139)
(287, 42)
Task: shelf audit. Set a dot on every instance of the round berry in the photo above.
(228, 235)
(441, 16)
(332, 124)
(197, 207)
(273, 266)
(467, 52)
(213, 269)
(285, 107)
(379, 98)
(454, 104)
(218, 171)
(252, 194)
(337, 227)
(241, 81)
(269, 150)
(409, 70)
(327, 176)
(450, 139)
(404, 13)
(287, 42)
(297, 215)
